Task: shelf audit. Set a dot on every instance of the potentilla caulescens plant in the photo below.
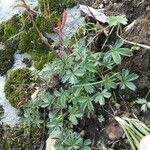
(82, 79)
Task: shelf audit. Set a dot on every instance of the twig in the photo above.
(133, 43)
(108, 37)
(147, 94)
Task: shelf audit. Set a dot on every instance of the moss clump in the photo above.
(1, 31)
(21, 137)
(18, 86)
(56, 7)
(30, 42)
(7, 30)
(1, 111)
(29, 39)
(24, 42)
(6, 61)
(11, 27)
(7, 55)
(41, 58)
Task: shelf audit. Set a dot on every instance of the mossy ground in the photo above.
(8, 30)
(11, 27)
(18, 86)
(7, 56)
(21, 137)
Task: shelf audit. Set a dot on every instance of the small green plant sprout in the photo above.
(126, 79)
(101, 119)
(115, 20)
(145, 104)
(134, 130)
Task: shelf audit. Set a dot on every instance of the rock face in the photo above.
(8, 9)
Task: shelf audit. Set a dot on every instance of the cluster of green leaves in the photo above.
(32, 113)
(71, 140)
(115, 20)
(145, 104)
(84, 83)
(86, 78)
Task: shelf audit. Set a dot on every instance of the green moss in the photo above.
(24, 42)
(1, 31)
(21, 137)
(40, 58)
(7, 30)
(11, 27)
(57, 7)
(6, 61)
(42, 24)
(1, 111)
(29, 40)
(68, 3)
(25, 22)
(18, 86)
(7, 55)
(96, 4)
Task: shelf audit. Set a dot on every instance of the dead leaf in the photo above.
(98, 14)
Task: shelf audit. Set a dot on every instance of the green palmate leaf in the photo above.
(90, 67)
(70, 140)
(145, 104)
(61, 97)
(47, 100)
(144, 108)
(148, 104)
(116, 57)
(89, 89)
(79, 72)
(87, 142)
(132, 77)
(101, 119)
(100, 97)
(70, 77)
(126, 79)
(74, 114)
(73, 141)
(124, 51)
(73, 79)
(109, 83)
(141, 101)
(130, 85)
(118, 43)
(116, 52)
(55, 124)
(122, 20)
(86, 103)
(115, 20)
(65, 78)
